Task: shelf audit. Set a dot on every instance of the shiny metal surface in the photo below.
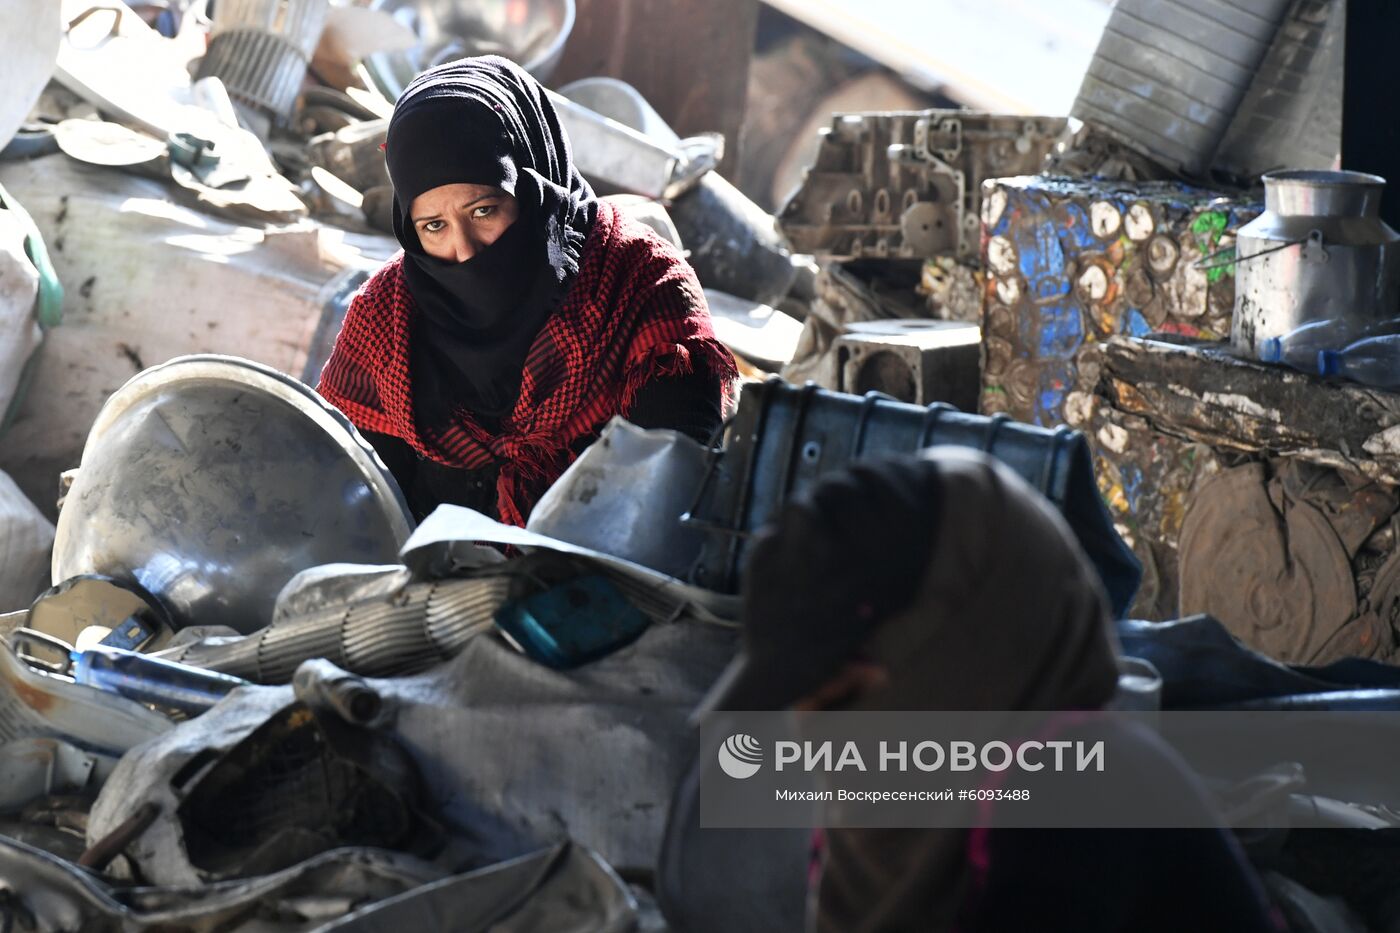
(211, 481)
(529, 32)
(620, 142)
(1318, 252)
(625, 495)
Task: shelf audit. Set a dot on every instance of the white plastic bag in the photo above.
(26, 541)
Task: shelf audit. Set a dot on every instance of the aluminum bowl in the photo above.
(211, 481)
(529, 32)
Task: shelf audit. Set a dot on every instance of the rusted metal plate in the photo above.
(1201, 393)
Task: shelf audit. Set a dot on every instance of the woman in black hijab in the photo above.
(522, 314)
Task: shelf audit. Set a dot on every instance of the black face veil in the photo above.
(484, 121)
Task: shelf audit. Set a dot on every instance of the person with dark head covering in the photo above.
(944, 582)
(523, 312)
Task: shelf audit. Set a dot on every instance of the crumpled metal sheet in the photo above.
(565, 888)
(52, 894)
(625, 496)
(34, 704)
(453, 538)
(512, 755)
(35, 767)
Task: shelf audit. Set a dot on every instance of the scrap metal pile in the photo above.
(252, 695)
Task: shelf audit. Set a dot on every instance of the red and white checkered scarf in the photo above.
(633, 313)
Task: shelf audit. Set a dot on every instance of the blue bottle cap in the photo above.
(1271, 350)
(1328, 362)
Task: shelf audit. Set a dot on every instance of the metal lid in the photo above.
(211, 481)
(1316, 193)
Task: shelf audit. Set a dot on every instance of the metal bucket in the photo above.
(1318, 252)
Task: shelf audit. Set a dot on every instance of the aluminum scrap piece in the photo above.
(35, 704)
(566, 889)
(1169, 75)
(531, 32)
(493, 735)
(1292, 113)
(260, 49)
(405, 632)
(625, 496)
(909, 185)
(454, 539)
(61, 896)
(211, 481)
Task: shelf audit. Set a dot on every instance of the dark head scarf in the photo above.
(984, 602)
(484, 121)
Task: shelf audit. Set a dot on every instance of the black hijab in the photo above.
(484, 121)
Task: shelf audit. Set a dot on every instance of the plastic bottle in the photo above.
(139, 677)
(1300, 347)
(1374, 361)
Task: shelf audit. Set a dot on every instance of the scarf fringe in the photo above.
(680, 359)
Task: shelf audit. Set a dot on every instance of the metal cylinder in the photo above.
(260, 49)
(1319, 252)
(1168, 75)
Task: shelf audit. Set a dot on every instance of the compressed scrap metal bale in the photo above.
(1145, 478)
(908, 185)
(1071, 261)
(1273, 500)
(1204, 394)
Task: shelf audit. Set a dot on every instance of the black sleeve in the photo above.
(396, 454)
(690, 404)
(426, 484)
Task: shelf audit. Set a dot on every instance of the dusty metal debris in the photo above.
(1292, 113)
(34, 703)
(211, 481)
(58, 895)
(909, 185)
(304, 782)
(1203, 394)
(912, 360)
(1169, 75)
(490, 733)
(260, 49)
(734, 245)
(406, 632)
(88, 609)
(624, 496)
(532, 33)
(1280, 583)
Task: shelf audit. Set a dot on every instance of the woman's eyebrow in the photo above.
(484, 197)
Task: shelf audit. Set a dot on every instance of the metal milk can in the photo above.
(1318, 252)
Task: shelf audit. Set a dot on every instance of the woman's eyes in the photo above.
(480, 212)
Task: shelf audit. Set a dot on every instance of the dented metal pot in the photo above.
(1318, 252)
